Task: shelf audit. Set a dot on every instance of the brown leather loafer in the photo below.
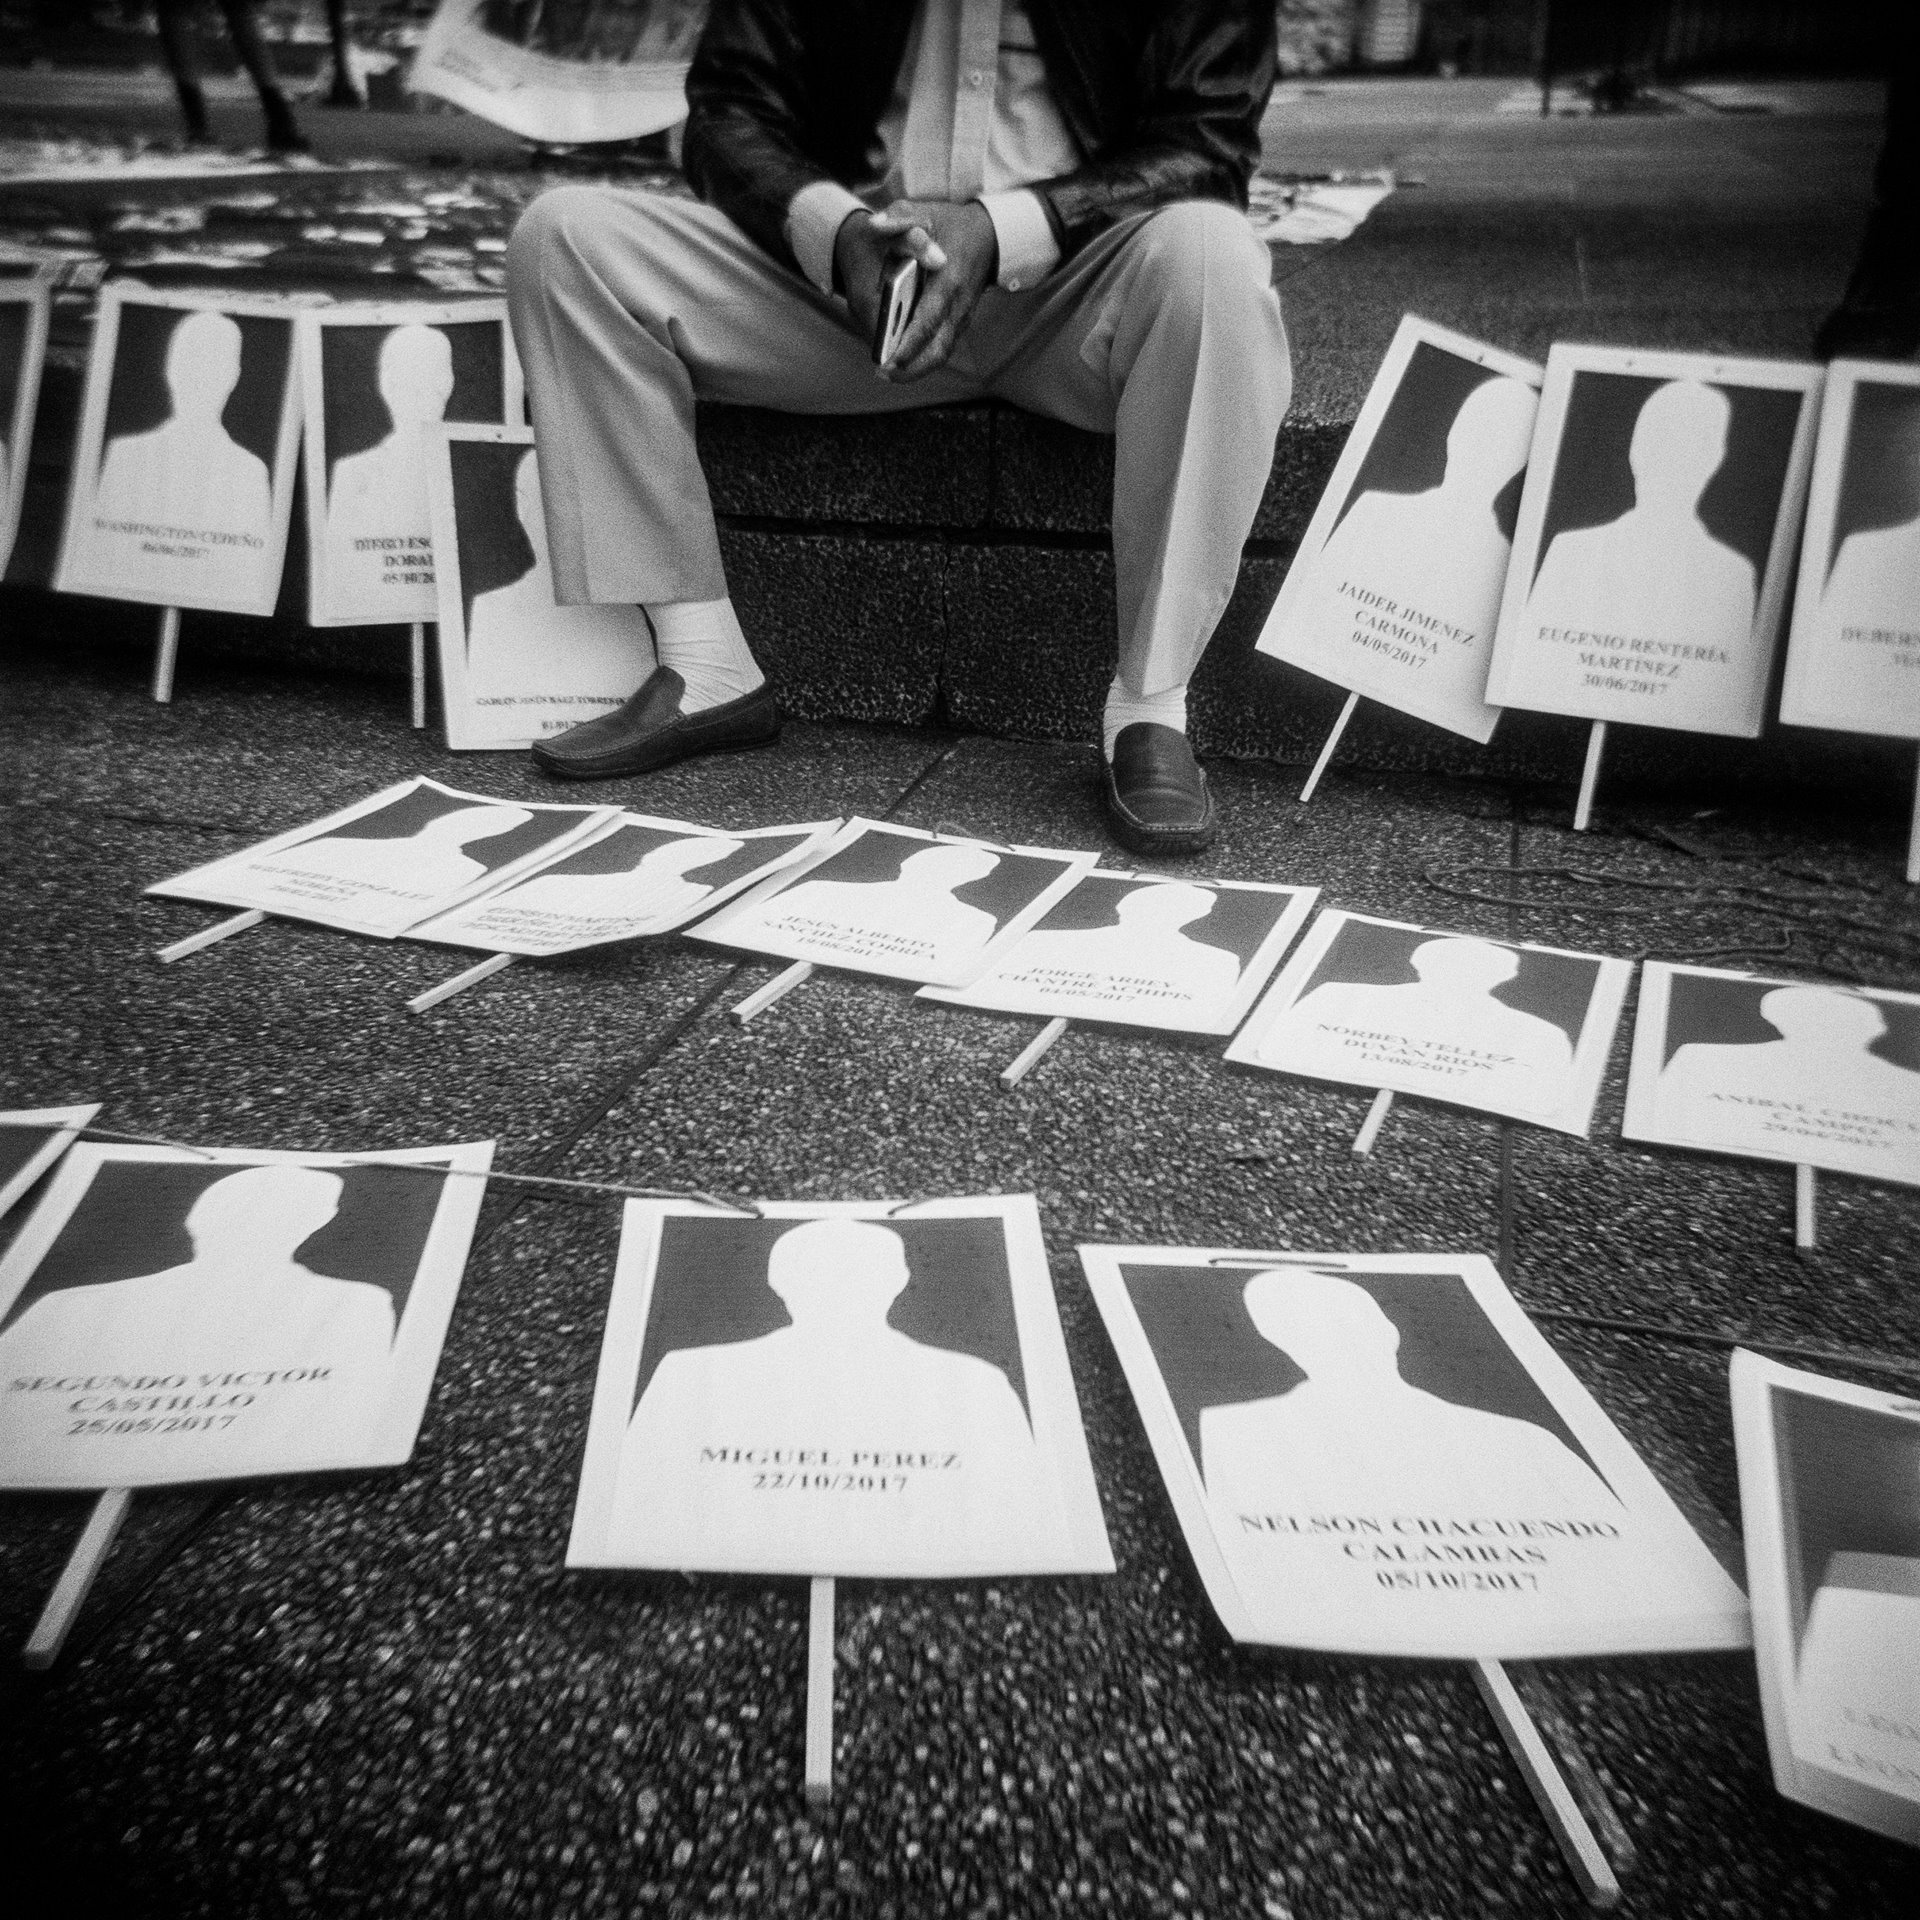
(650, 731)
(1156, 795)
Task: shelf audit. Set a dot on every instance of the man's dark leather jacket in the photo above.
(1164, 101)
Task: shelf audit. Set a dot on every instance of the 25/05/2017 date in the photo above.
(173, 1423)
(1406, 1579)
(830, 1482)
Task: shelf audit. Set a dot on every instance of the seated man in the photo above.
(1069, 174)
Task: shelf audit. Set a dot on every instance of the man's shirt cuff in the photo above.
(1028, 250)
(813, 224)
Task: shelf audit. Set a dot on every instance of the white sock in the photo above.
(1168, 708)
(702, 642)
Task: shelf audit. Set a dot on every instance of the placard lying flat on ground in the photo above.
(183, 472)
(1509, 1028)
(514, 666)
(1830, 1507)
(387, 862)
(837, 1390)
(1396, 586)
(1853, 658)
(375, 380)
(24, 305)
(1807, 1071)
(1145, 951)
(1378, 1454)
(168, 1316)
(635, 876)
(929, 907)
(1656, 538)
(31, 1140)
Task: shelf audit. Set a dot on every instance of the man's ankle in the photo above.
(1168, 708)
(701, 640)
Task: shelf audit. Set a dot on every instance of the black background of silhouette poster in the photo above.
(1241, 917)
(623, 850)
(877, 856)
(138, 398)
(1721, 1011)
(1880, 472)
(15, 316)
(18, 1145)
(493, 547)
(357, 418)
(402, 817)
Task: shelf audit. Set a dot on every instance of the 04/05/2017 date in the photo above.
(830, 1482)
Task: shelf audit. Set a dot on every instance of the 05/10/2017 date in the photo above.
(1405, 1579)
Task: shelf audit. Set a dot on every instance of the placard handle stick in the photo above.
(819, 1779)
(220, 930)
(165, 653)
(471, 976)
(1029, 1055)
(70, 1590)
(782, 984)
(418, 668)
(1550, 1790)
(1589, 776)
(1326, 753)
(1913, 832)
(1803, 1209)
(1371, 1125)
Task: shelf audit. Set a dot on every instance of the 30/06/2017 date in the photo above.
(830, 1482)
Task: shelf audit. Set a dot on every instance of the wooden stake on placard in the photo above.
(448, 988)
(165, 653)
(1913, 832)
(76, 1577)
(782, 984)
(220, 930)
(1371, 1125)
(418, 647)
(1803, 1209)
(1589, 776)
(1551, 1792)
(1029, 1055)
(819, 1774)
(1326, 752)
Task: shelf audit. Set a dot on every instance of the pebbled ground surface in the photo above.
(385, 1695)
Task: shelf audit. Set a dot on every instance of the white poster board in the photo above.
(168, 1316)
(400, 856)
(1853, 657)
(182, 481)
(1830, 1509)
(31, 1140)
(1138, 949)
(514, 665)
(1501, 1025)
(1656, 538)
(375, 380)
(929, 907)
(636, 875)
(1806, 1071)
(1379, 1454)
(25, 302)
(857, 1390)
(1396, 585)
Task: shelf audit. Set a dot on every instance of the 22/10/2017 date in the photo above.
(172, 1423)
(830, 1482)
(1405, 1579)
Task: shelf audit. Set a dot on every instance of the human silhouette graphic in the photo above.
(656, 892)
(836, 1383)
(381, 494)
(1820, 1061)
(521, 646)
(1656, 572)
(1446, 1025)
(1147, 951)
(918, 905)
(242, 1304)
(426, 864)
(189, 471)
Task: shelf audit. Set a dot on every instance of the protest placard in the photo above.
(1144, 951)
(1379, 1454)
(400, 856)
(25, 302)
(31, 1140)
(836, 1390)
(1395, 588)
(634, 876)
(183, 468)
(933, 908)
(514, 665)
(170, 1316)
(1830, 1508)
(1812, 1072)
(1503, 1026)
(375, 379)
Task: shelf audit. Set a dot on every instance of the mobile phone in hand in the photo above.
(899, 289)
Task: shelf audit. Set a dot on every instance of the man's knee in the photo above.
(573, 228)
(1203, 250)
